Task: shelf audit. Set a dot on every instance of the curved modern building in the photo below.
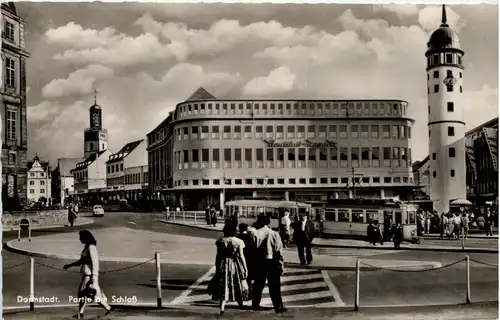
(211, 150)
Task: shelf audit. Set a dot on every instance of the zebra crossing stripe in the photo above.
(299, 288)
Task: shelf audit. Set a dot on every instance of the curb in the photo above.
(56, 226)
(475, 237)
(188, 225)
(448, 249)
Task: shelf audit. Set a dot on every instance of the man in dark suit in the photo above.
(303, 235)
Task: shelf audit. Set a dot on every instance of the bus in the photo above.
(350, 217)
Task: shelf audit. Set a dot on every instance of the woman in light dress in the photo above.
(89, 268)
(231, 270)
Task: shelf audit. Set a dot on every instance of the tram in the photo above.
(248, 210)
(350, 217)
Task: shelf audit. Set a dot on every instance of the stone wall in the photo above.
(37, 218)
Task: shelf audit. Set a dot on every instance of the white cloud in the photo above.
(365, 59)
(80, 82)
(278, 81)
(480, 105)
(402, 10)
(430, 18)
(75, 36)
(131, 106)
(125, 52)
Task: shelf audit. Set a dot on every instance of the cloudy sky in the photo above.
(146, 58)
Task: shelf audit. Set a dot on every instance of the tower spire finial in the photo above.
(443, 18)
(95, 96)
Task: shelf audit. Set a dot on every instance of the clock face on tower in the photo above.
(450, 81)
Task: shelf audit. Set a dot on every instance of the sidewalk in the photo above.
(470, 236)
(483, 311)
(360, 244)
(132, 245)
(81, 221)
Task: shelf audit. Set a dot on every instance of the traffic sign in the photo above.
(24, 224)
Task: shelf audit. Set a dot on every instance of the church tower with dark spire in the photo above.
(445, 78)
(96, 137)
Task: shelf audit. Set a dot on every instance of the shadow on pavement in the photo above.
(169, 284)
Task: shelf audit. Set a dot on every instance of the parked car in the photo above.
(98, 210)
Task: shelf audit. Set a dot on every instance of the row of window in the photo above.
(303, 108)
(135, 178)
(294, 157)
(444, 58)
(450, 107)
(293, 132)
(451, 131)
(451, 153)
(449, 74)
(346, 182)
(33, 183)
(40, 174)
(452, 173)
(449, 88)
(32, 191)
(112, 168)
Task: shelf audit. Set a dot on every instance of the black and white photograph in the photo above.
(249, 160)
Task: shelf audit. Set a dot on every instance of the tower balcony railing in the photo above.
(94, 129)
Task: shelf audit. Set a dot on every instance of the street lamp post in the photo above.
(223, 202)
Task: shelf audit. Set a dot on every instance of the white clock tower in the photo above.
(96, 137)
(445, 74)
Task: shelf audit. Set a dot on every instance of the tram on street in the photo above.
(350, 217)
(248, 210)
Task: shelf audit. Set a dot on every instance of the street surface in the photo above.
(300, 287)
(487, 311)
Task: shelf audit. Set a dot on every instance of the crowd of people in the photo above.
(248, 256)
(452, 225)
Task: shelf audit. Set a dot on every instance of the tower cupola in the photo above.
(444, 37)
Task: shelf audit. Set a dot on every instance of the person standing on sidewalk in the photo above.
(269, 264)
(303, 235)
(285, 224)
(72, 213)
(89, 269)
(488, 222)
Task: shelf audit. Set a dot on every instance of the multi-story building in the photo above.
(63, 182)
(132, 157)
(13, 110)
(482, 164)
(39, 181)
(307, 150)
(90, 177)
(160, 146)
(136, 182)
